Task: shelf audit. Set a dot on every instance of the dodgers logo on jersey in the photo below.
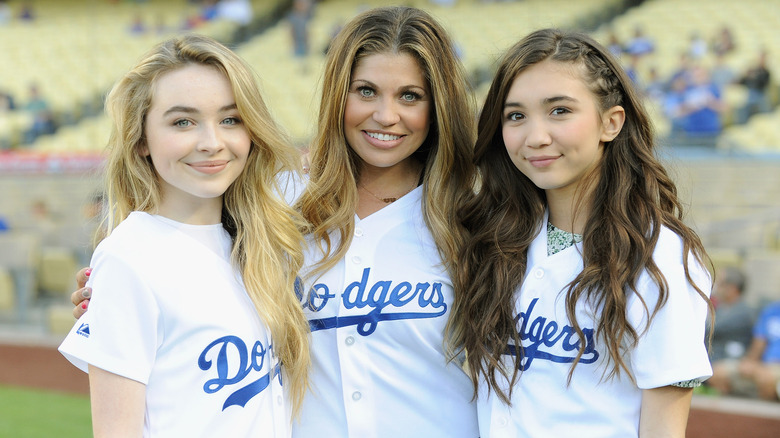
(233, 364)
(545, 335)
(380, 296)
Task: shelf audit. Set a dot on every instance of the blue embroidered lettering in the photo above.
(543, 332)
(359, 288)
(232, 348)
(381, 295)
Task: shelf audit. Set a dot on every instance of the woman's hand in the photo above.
(80, 298)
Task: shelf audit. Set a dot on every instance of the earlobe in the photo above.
(612, 123)
(143, 150)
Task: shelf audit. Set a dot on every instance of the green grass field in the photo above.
(31, 413)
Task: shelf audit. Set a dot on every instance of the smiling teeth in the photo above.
(383, 137)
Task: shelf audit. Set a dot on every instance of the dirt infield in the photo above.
(44, 367)
(40, 367)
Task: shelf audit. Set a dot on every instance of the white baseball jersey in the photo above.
(173, 314)
(378, 317)
(671, 350)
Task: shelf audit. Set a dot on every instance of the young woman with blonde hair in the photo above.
(195, 324)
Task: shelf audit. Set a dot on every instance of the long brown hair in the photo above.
(267, 243)
(330, 199)
(628, 203)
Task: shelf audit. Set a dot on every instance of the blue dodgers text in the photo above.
(541, 332)
(228, 347)
(380, 296)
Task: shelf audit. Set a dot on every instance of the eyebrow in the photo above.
(545, 101)
(191, 110)
(403, 87)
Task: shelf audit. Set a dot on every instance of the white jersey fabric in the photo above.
(378, 317)
(670, 351)
(173, 314)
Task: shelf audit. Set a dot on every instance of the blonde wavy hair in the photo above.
(331, 197)
(267, 243)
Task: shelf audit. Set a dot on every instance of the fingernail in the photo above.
(88, 272)
(84, 306)
(86, 292)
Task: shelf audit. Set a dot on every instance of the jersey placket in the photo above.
(354, 354)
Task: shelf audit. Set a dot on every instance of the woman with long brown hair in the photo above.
(582, 294)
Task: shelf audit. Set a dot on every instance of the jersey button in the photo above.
(539, 273)
(350, 340)
(501, 422)
(356, 260)
(358, 232)
(279, 400)
(357, 395)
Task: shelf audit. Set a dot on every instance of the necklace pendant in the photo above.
(389, 200)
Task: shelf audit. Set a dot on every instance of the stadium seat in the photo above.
(56, 271)
(7, 290)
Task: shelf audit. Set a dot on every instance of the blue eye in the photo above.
(365, 92)
(232, 121)
(410, 96)
(182, 123)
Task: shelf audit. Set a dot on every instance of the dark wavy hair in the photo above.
(628, 201)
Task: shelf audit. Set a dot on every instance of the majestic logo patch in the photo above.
(83, 330)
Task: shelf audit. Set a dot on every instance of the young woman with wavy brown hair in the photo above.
(584, 295)
(391, 160)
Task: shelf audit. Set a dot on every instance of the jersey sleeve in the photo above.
(120, 332)
(672, 348)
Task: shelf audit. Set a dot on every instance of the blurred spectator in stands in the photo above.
(758, 372)
(655, 86)
(27, 13)
(683, 70)
(237, 11)
(614, 45)
(756, 80)
(5, 12)
(4, 226)
(674, 108)
(6, 102)
(723, 43)
(299, 18)
(43, 119)
(632, 69)
(734, 318)
(639, 44)
(42, 222)
(697, 46)
(721, 73)
(137, 26)
(703, 106)
(208, 10)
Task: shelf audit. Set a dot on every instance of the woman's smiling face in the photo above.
(387, 115)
